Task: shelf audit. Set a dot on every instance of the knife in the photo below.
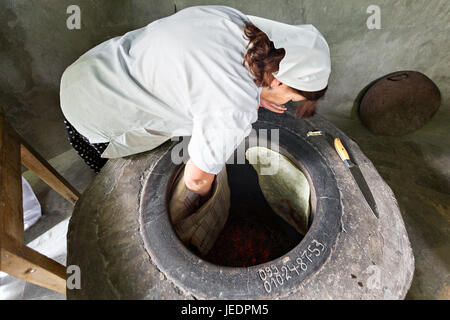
(357, 175)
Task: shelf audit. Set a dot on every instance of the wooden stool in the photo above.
(16, 258)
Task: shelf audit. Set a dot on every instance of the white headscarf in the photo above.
(306, 65)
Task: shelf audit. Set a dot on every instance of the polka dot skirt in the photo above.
(89, 152)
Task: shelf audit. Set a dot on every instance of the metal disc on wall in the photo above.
(399, 103)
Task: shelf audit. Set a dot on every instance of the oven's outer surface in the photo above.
(114, 234)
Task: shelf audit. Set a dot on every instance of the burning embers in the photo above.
(253, 233)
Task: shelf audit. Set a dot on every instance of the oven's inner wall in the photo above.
(254, 233)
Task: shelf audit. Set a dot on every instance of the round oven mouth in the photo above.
(274, 278)
(254, 233)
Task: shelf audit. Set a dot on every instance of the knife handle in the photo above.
(343, 154)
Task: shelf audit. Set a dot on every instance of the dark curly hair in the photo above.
(262, 59)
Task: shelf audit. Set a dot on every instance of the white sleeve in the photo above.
(215, 137)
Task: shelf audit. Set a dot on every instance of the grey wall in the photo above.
(36, 47)
(414, 36)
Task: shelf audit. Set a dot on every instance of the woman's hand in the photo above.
(199, 185)
(197, 180)
(277, 108)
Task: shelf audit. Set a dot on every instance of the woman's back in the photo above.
(140, 89)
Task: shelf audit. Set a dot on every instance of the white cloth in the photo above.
(181, 75)
(306, 64)
(30, 204)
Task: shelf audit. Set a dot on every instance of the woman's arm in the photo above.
(197, 180)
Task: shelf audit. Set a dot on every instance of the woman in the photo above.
(202, 72)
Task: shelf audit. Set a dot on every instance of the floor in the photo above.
(415, 166)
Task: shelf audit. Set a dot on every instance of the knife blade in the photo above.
(357, 175)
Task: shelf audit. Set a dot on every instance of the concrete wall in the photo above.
(36, 47)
